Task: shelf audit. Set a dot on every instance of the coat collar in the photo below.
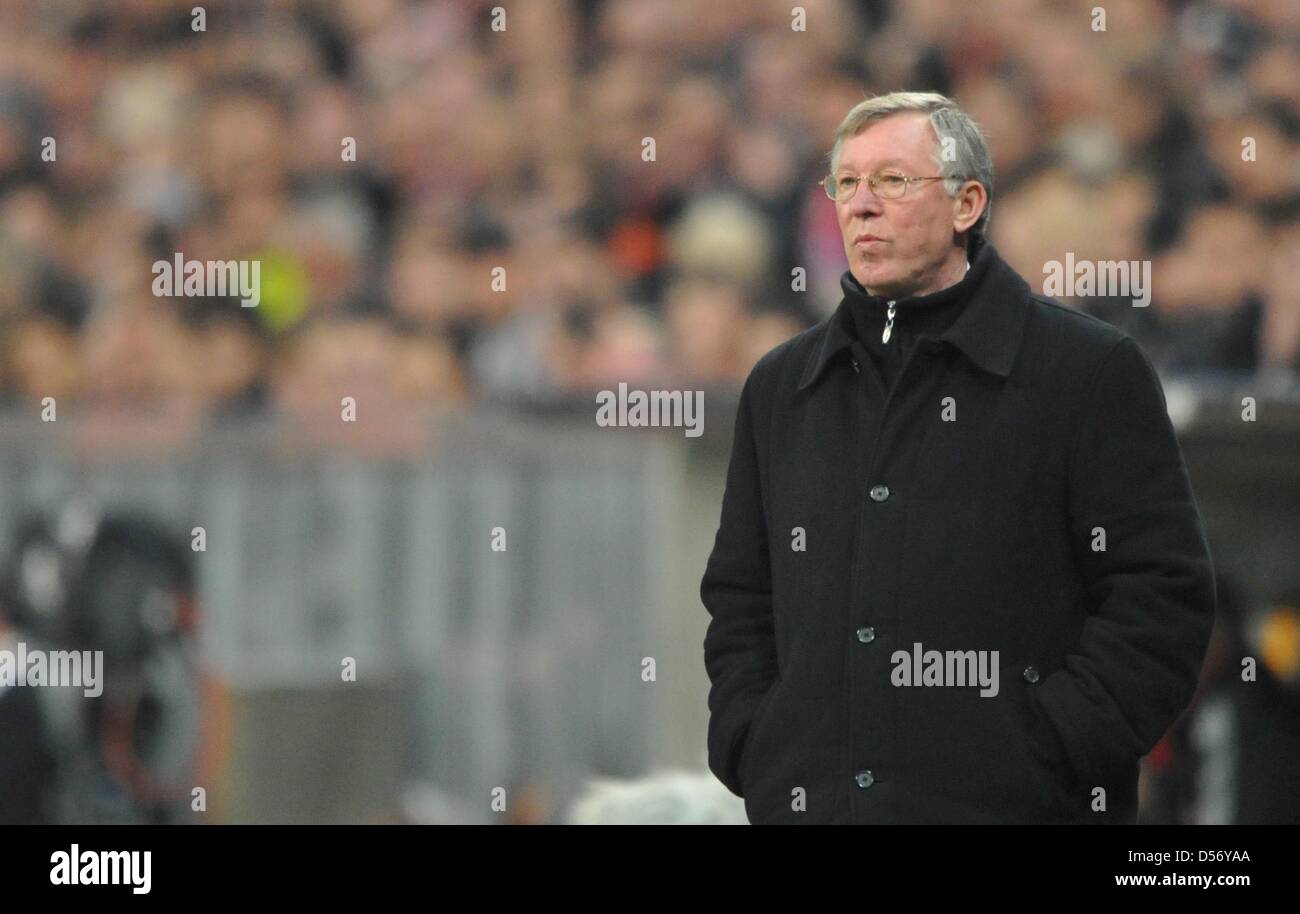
(987, 331)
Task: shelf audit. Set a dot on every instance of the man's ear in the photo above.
(967, 205)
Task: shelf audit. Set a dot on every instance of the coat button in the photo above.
(1031, 674)
(866, 634)
(864, 779)
(856, 367)
(879, 493)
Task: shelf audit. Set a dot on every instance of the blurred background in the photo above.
(197, 459)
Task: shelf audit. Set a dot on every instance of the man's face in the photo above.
(914, 234)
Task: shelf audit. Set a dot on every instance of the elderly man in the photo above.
(960, 575)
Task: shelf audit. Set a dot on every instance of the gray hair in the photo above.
(970, 159)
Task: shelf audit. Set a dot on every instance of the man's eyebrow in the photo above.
(885, 164)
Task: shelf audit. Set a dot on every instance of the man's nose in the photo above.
(864, 201)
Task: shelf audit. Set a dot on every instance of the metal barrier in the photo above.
(512, 667)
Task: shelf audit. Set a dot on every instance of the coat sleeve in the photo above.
(739, 645)
(1137, 660)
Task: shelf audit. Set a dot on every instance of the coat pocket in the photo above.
(755, 726)
(1045, 754)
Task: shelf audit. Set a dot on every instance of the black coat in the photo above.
(1043, 512)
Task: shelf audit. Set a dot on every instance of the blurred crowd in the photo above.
(507, 232)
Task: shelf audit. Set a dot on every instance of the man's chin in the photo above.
(877, 282)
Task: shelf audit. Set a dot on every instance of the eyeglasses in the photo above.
(886, 186)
